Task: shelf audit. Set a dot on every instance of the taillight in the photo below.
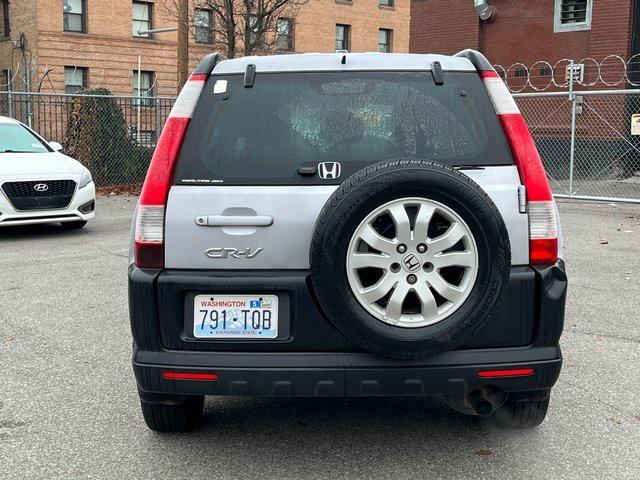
(543, 230)
(149, 237)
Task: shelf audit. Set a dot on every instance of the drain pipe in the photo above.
(484, 9)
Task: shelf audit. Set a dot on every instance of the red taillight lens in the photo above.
(514, 372)
(543, 231)
(192, 376)
(149, 237)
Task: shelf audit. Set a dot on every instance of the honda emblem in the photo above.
(329, 170)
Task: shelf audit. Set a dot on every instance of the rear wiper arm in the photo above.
(14, 151)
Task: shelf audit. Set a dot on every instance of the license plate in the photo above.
(235, 316)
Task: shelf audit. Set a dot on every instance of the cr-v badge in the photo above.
(222, 252)
(329, 170)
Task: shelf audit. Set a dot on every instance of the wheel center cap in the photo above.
(411, 262)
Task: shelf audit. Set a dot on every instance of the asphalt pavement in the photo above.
(69, 408)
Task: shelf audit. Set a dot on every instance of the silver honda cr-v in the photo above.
(346, 225)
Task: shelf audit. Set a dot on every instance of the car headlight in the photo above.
(86, 179)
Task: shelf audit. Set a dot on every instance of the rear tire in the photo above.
(174, 417)
(524, 414)
(76, 225)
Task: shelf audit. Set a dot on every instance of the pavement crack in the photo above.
(122, 255)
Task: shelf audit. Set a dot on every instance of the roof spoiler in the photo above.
(207, 64)
(479, 60)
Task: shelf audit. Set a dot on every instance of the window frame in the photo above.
(149, 5)
(82, 15)
(6, 21)
(389, 38)
(150, 91)
(559, 27)
(346, 36)
(386, 3)
(290, 35)
(85, 78)
(208, 30)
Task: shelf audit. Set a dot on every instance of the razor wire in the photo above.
(612, 71)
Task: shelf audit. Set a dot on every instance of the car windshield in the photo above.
(265, 133)
(14, 138)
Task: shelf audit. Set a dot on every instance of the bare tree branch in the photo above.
(239, 27)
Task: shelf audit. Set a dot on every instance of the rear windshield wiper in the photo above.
(15, 151)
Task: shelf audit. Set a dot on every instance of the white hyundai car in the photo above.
(38, 183)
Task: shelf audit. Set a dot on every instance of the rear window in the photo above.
(264, 134)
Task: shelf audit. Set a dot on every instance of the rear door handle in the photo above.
(234, 220)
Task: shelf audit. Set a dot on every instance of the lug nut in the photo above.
(422, 248)
(395, 267)
(402, 248)
(412, 279)
(428, 267)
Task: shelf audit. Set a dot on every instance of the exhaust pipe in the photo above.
(480, 403)
(484, 9)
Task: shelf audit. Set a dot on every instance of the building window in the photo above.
(385, 3)
(546, 72)
(343, 34)
(75, 79)
(6, 31)
(204, 25)
(5, 80)
(74, 16)
(256, 32)
(572, 15)
(520, 73)
(384, 40)
(141, 16)
(285, 34)
(144, 88)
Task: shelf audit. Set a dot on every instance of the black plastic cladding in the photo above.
(207, 64)
(532, 314)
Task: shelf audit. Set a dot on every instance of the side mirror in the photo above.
(56, 146)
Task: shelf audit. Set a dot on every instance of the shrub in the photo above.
(98, 137)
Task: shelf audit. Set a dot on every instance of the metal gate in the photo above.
(589, 141)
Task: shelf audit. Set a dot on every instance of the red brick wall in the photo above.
(439, 26)
(519, 31)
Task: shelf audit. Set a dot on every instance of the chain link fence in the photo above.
(588, 141)
(585, 138)
(113, 136)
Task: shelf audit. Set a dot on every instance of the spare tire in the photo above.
(409, 258)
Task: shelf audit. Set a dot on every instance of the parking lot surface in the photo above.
(69, 408)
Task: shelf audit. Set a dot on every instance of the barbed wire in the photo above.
(612, 71)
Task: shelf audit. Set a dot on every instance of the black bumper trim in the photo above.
(346, 374)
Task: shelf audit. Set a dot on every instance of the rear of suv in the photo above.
(346, 225)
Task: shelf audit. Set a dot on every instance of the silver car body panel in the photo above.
(285, 243)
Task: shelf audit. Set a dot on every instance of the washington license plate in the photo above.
(235, 316)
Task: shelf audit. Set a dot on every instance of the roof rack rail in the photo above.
(478, 59)
(207, 64)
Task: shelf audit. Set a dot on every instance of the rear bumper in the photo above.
(346, 374)
(298, 367)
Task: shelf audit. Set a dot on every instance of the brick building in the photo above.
(526, 32)
(94, 43)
